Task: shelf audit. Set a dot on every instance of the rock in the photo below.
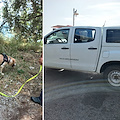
(32, 68)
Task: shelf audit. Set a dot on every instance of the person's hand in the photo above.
(41, 60)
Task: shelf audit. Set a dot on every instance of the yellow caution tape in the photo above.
(23, 84)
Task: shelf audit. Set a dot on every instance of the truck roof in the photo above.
(92, 27)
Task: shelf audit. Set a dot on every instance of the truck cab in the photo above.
(71, 47)
(84, 48)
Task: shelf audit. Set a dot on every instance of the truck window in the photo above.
(58, 37)
(113, 36)
(84, 35)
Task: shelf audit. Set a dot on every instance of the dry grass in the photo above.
(27, 66)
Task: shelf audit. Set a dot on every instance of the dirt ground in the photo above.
(21, 107)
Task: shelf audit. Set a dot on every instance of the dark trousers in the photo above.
(40, 96)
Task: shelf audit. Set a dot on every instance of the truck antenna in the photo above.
(104, 23)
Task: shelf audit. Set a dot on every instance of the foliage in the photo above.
(14, 46)
(24, 18)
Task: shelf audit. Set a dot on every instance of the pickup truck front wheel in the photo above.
(112, 74)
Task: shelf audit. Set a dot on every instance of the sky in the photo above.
(91, 13)
(1, 5)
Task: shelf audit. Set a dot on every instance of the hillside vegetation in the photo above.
(27, 56)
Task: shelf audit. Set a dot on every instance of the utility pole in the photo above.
(74, 13)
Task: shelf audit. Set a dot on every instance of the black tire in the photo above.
(112, 74)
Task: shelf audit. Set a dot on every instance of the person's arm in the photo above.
(41, 59)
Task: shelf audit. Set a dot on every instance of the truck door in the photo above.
(85, 48)
(57, 49)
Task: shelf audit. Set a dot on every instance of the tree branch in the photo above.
(3, 24)
(31, 17)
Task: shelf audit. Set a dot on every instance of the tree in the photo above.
(24, 17)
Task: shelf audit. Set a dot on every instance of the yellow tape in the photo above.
(23, 84)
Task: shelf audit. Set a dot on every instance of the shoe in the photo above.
(36, 100)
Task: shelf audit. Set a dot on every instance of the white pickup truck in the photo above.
(92, 49)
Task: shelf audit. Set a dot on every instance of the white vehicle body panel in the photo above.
(110, 51)
(55, 56)
(83, 57)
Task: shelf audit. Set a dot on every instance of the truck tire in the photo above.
(112, 74)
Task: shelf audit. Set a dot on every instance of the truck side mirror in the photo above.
(45, 40)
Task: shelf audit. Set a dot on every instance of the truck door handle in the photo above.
(64, 48)
(92, 48)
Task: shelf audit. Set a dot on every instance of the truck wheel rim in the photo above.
(114, 78)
